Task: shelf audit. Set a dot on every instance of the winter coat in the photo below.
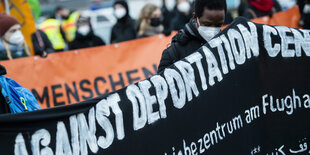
(90, 40)
(123, 30)
(45, 45)
(187, 41)
(179, 21)
(17, 51)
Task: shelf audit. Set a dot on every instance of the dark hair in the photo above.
(200, 5)
(59, 8)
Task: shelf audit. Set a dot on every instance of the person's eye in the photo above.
(206, 24)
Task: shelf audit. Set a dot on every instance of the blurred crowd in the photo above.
(69, 30)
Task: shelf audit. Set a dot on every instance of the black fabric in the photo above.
(167, 17)
(247, 13)
(258, 102)
(123, 31)
(125, 28)
(4, 108)
(48, 47)
(304, 17)
(183, 44)
(90, 40)
(179, 21)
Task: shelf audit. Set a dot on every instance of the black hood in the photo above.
(191, 29)
(190, 32)
(125, 5)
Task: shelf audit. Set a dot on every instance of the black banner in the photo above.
(245, 92)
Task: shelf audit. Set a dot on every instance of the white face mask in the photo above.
(306, 9)
(208, 32)
(184, 7)
(17, 38)
(84, 30)
(120, 13)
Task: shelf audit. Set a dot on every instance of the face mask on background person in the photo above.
(16, 38)
(184, 7)
(155, 22)
(119, 13)
(84, 30)
(207, 32)
(306, 9)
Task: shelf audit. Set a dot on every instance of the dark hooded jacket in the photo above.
(4, 108)
(124, 29)
(304, 17)
(90, 40)
(179, 21)
(187, 41)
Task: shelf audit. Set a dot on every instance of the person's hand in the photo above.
(301, 23)
(44, 54)
(167, 32)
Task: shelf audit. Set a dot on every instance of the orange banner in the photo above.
(288, 18)
(74, 76)
(20, 9)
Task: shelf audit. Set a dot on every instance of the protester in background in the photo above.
(41, 44)
(167, 16)
(183, 15)
(85, 36)
(12, 42)
(150, 19)
(208, 17)
(52, 27)
(259, 8)
(68, 21)
(124, 29)
(304, 8)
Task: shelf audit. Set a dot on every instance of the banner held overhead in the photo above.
(245, 92)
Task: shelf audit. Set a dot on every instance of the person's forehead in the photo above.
(157, 11)
(118, 6)
(16, 26)
(213, 15)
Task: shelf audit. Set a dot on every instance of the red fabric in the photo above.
(6, 22)
(262, 5)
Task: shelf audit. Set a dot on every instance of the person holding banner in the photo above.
(207, 21)
(124, 29)
(85, 36)
(12, 42)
